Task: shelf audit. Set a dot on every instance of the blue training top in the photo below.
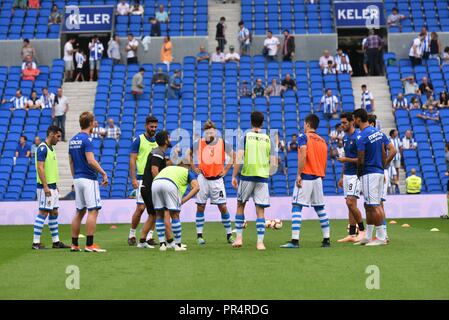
(371, 141)
(78, 146)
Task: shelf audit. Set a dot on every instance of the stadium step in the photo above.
(81, 96)
(232, 13)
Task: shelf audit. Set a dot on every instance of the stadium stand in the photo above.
(430, 135)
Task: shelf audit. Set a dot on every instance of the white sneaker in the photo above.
(180, 248)
(362, 242)
(376, 242)
(173, 245)
(163, 247)
(144, 245)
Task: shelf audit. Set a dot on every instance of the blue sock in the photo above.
(324, 221)
(54, 229)
(160, 229)
(296, 221)
(176, 227)
(260, 227)
(226, 221)
(239, 220)
(38, 226)
(199, 222)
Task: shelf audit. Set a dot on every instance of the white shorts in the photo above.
(165, 195)
(68, 65)
(396, 163)
(213, 189)
(139, 199)
(372, 188)
(310, 194)
(47, 203)
(87, 194)
(257, 190)
(351, 186)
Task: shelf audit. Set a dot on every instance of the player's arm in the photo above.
(346, 159)
(237, 165)
(72, 169)
(301, 163)
(391, 154)
(360, 162)
(96, 166)
(340, 182)
(231, 156)
(41, 173)
(132, 169)
(194, 188)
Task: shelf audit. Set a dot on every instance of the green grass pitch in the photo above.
(414, 266)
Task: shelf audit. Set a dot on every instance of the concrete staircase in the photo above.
(382, 105)
(81, 96)
(232, 13)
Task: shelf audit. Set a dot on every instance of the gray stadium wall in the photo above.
(46, 51)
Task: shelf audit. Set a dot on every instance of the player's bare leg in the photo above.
(91, 226)
(226, 221)
(140, 208)
(76, 226)
(239, 220)
(260, 227)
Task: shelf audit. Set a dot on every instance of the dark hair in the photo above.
(86, 118)
(363, 85)
(161, 138)
(313, 121)
(257, 119)
(53, 129)
(222, 19)
(218, 48)
(168, 38)
(372, 118)
(395, 9)
(446, 49)
(361, 114)
(141, 69)
(347, 115)
(26, 40)
(392, 131)
(337, 125)
(150, 119)
(294, 135)
(241, 23)
(24, 137)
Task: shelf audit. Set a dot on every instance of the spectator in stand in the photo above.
(112, 131)
(324, 60)
(446, 56)
(34, 4)
(55, 16)
(373, 46)
(59, 112)
(394, 139)
(95, 54)
(80, 59)
(232, 56)
(68, 59)
(174, 89)
(426, 87)
(271, 46)
(258, 90)
(394, 19)
(29, 73)
(220, 33)
(415, 103)
(430, 102)
(244, 91)
(288, 83)
(97, 131)
(329, 103)
(410, 86)
(365, 57)
(336, 135)
(28, 60)
(203, 55)
(425, 48)
(444, 100)
(34, 102)
(47, 99)
(123, 8)
(344, 67)
(137, 9)
(162, 15)
(274, 89)
(36, 143)
(400, 102)
(293, 145)
(137, 83)
(160, 77)
(408, 142)
(367, 100)
(131, 49)
(279, 142)
(167, 52)
(218, 56)
(155, 27)
(23, 149)
(430, 114)
(288, 49)
(330, 69)
(244, 39)
(416, 52)
(114, 49)
(28, 50)
(339, 56)
(413, 183)
(434, 47)
(18, 101)
(19, 4)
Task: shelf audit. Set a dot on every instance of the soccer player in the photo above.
(349, 180)
(210, 154)
(167, 190)
(308, 191)
(257, 153)
(140, 150)
(47, 190)
(84, 168)
(370, 170)
(155, 163)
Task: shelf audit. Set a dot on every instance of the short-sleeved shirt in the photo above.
(132, 53)
(203, 54)
(68, 47)
(350, 146)
(272, 45)
(433, 114)
(23, 150)
(417, 44)
(155, 158)
(370, 140)
(78, 146)
(61, 103)
(166, 52)
(330, 103)
(162, 16)
(293, 145)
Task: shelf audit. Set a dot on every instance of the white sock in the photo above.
(132, 233)
(150, 235)
(380, 233)
(369, 231)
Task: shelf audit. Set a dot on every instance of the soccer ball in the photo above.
(245, 224)
(268, 223)
(276, 224)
